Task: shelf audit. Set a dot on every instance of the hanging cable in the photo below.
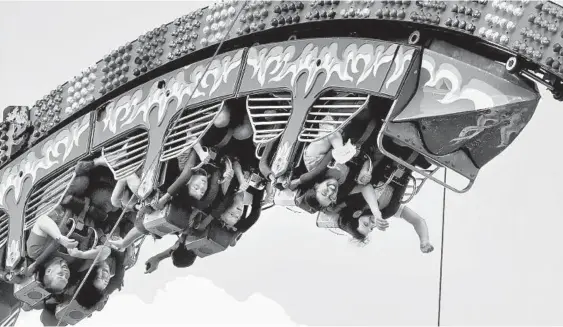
(442, 249)
(155, 159)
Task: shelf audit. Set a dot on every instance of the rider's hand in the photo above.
(74, 252)
(294, 183)
(426, 247)
(158, 204)
(381, 224)
(67, 242)
(151, 265)
(116, 244)
(243, 186)
(229, 174)
(207, 158)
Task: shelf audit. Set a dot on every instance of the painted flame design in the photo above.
(482, 94)
(49, 155)
(125, 111)
(401, 60)
(512, 122)
(274, 64)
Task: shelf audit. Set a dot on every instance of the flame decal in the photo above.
(512, 120)
(482, 94)
(274, 64)
(49, 155)
(401, 60)
(125, 111)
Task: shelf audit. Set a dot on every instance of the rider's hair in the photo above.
(44, 279)
(89, 295)
(310, 198)
(350, 224)
(182, 257)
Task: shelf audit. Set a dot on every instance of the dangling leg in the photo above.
(117, 193)
(223, 118)
(371, 197)
(100, 161)
(244, 130)
(133, 182)
(419, 225)
(135, 233)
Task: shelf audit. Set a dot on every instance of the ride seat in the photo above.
(72, 313)
(171, 219)
(31, 290)
(215, 238)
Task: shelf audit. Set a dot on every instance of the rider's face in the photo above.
(233, 214)
(197, 187)
(326, 192)
(366, 224)
(102, 276)
(57, 274)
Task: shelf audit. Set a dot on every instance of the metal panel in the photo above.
(44, 159)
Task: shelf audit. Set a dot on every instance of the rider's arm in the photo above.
(310, 176)
(417, 222)
(164, 254)
(211, 193)
(45, 226)
(238, 172)
(264, 166)
(91, 254)
(185, 175)
(371, 198)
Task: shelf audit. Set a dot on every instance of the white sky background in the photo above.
(502, 264)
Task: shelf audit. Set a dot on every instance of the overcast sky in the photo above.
(502, 264)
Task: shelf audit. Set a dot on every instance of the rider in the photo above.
(361, 213)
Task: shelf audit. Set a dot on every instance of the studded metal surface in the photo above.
(115, 68)
(46, 113)
(528, 28)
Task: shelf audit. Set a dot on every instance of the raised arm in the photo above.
(152, 264)
(371, 198)
(184, 177)
(243, 183)
(310, 176)
(104, 252)
(263, 165)
(211, 193)
(420, 227)
(134, 234)
(45, 226)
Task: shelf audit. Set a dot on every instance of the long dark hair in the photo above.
(310, 199)
(350, 224)
(182, 257)
(89, 295)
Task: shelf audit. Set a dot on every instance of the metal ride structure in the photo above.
(453, 81)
